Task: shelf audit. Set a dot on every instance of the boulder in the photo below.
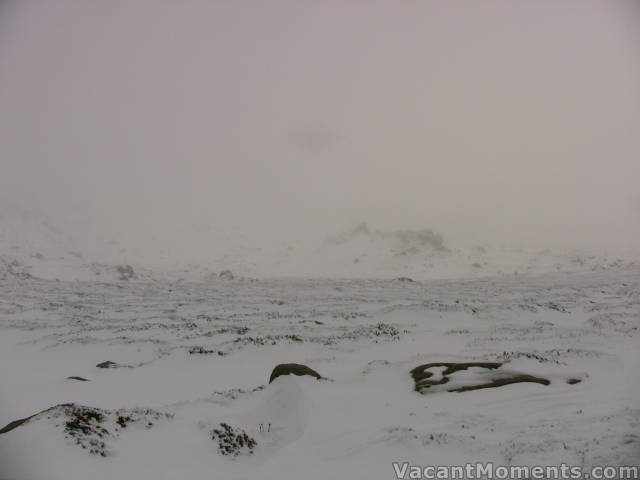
(293, 368)
(226, 275)
(405, 280)
(424, 377)
(107, 364)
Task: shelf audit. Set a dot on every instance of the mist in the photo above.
(485, 121)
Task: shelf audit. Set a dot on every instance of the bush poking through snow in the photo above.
(93, 429)
(386, 330)
(549, 356)
(84, 426)
(126, 272)
(202, 351)
(14, 269)
(232, 441)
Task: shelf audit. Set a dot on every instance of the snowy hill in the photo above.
(188, 395)
(167, 375)
(364, 252)
(32, 245)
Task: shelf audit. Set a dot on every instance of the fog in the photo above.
(494, 120)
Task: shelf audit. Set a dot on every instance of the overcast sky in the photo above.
(481, 119)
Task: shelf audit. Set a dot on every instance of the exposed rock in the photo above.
(423, 380)
(92, 428)
(292, 368)
(405, 280)
(107, 364)
(15, 424)
(421, 375)
(226, 275)
(499, 382)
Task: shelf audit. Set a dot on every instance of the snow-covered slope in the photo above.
(192, 363)
(188, 352)
(363, 252)
(30, 245)
(33, 245)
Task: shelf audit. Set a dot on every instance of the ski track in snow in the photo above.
(203, 351)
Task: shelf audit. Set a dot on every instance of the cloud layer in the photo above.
(483, 120)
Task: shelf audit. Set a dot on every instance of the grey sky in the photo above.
(493, 119)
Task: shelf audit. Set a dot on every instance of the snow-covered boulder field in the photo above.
(161, 378)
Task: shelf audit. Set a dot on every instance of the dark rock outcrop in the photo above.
(15, 424)
(226, 275)
(107, 364)
(92, 429)
(500, 382)
(422, 376)
(292, 368)
(405, 280)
